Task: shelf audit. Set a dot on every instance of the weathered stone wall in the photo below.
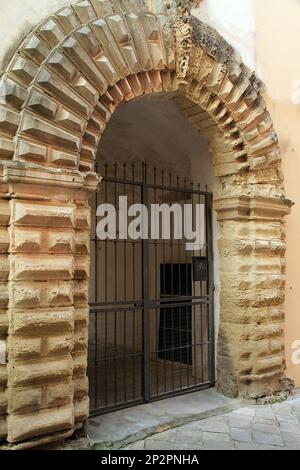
(57, 96)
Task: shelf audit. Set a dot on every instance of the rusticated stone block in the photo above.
(25, 295)
(83, 218)
(155, 42)
(59, 295)
(57, 345)
(51, 33)
(60, 394)
(3, 427)
(140, 43)
(63, 93)
(4, 268)
(84, 11)
(3, 375)
(61, 242)
(81, 289)
(80, 363)
(81, 387)
(4, 240)
(82, 242)
(24, 348)
(86, 166)
(64, 159)
(32, 126)
(41, 104)
(4, 295)
(42, 268)
(62, 66)
(35, 49)
(23, 69)
(24, 399)
(42, 320)
(102, 7)
(39, 371)
(29, 151)
(80, 338)
(4, 213)
(3, 322)
(9, 121)
(91, 138)
(81, 267)
(81, 409)
(86, 90)
(3, 402)
(110, 47)
(21, 427)
(43, 215)
(12, 93)
(76, 53)
(7, 149)
(67, 19)
(26, 240)
(122, 36)
(82, 315)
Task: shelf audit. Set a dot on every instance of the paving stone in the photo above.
(218, 445)
(139, 445)
(158, 444)
(270, 427)
(208, 436)
(253, 446)
(289, 427)
(290, 436)
(266, 428)
(243, 422)
(218, 425)
(244, 412)
(241, 435)
(267, 439)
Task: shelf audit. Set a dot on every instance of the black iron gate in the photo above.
(151, 310)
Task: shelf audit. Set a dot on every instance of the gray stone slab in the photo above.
(218, 445)
(212, 436)
(216, 424)
(267, 439)
(117, 429)
(241, 435)
(266, 428)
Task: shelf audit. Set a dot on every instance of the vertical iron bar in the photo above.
(125, 297)
(157, 325)
(133, 295)
(211, 322)
(172, 222)
(145, 284)
(164, 293)
(96, 316)
(116, 293)
(106, 299)
(180, 293)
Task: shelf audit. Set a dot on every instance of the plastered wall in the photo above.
(277, 45)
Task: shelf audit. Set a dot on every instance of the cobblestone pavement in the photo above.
(265, 427)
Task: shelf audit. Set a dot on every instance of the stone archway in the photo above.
(57, 96)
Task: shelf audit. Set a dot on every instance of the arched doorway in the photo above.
(152, 299)
(57, 95)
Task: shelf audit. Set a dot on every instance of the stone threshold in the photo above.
(123, 427)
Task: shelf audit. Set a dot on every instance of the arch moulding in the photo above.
(57, 96)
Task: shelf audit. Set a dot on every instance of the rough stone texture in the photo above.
(152, 418)
(57, 95)
(268, 427)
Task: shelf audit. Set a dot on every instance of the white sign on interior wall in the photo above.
(234, 20)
